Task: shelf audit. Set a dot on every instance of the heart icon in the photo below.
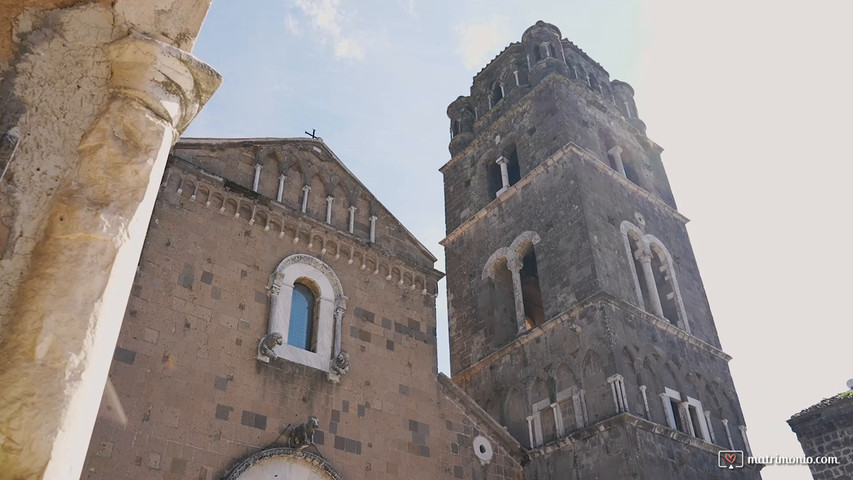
(730, 457)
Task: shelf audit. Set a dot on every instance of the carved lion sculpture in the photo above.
(340, 364)
(268, 344)
(303, 434)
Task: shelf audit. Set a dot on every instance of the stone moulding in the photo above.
(285, 455)
(172, 83)
(213, 194)
(569, 153)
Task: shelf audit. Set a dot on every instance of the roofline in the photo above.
(319, 141)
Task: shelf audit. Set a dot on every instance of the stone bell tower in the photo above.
(578, 319)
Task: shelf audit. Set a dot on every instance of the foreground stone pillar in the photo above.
(57, 343)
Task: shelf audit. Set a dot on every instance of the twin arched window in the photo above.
(654, 276)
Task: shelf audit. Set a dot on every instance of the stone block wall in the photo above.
(629, 447)
(826, 430)
(198, 401)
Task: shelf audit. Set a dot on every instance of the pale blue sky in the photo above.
(748, 98)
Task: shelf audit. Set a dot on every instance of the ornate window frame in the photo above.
(646, 243)
(331, 305)
(285, 461)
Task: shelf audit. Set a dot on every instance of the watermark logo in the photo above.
(730, 459)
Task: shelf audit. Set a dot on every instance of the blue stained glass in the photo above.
(301, 317)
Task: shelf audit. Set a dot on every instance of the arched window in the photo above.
(630, 167)
(307, 304)
(302, 322)
(493, 178)
(534, 313)
(654, 276)
(515, 417)
(593, 83)
(503, 172)
(497, 93)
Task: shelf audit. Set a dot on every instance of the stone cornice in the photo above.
(628, 420)
(492, 125)
(557, 157)
(318, 145)
(570, 318)
(302, 223)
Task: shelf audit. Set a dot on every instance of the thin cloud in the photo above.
(292, 25)
(327, 19)
(478, 43)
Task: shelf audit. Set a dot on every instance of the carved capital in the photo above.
(352, 209)
(170, 82)
(514, 264)
(643, 255)
(306, 188)
(501, 160)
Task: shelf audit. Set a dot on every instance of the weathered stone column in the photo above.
(514, 265)
(305, 190)
(502, 162)
(710, 426)
(329, 200)
(742, 429)
(725, 423)
(351, 210)
(373, 231)
(645, 257)
(281, 178)
(257, 179)
(645, 402)
(66, 314)
(616, 154)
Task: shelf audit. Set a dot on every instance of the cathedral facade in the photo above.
(282, 321)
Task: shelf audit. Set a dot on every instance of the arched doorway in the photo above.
(285, 464)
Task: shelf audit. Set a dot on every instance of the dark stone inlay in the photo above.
(124, 356)
(220, 383)
(185, 279)
(260, 421)
(206, 277)
(260, 297)
(222, 411)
